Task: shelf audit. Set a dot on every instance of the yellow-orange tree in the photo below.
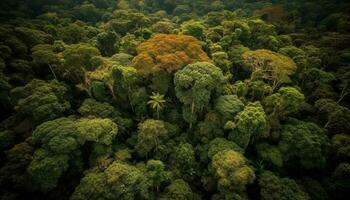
(271, 66)
(168, 52)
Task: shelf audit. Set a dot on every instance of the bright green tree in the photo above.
(250, 125)
(194, 86)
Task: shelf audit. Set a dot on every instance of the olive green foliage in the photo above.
(334, 116)
(340, 147)
(183, 159)
(274, 187)
(250, 125)
(157, 173)
(150, 134)
(232, 171)
(193, 28)
(61, 140)
(117, 181)
(77, 60)
(209, 128)
(40, 100)
(304, 141)
(286, 101)
(269, 155)
(221, 144)
(124, 82)
(91, 107)
(228, 106)
(194, 86)
(178, 190)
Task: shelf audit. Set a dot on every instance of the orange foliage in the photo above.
(168, 52)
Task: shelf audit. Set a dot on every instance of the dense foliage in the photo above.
(175, 99)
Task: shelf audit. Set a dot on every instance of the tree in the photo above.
(270, 66)
(91, 107)
(107, 43)
(150, 134)
(178, 190)
(220, 144)
(117, 181)
(72, 33)
(45, 60)
(286, 101)
(168, 52)
(193, 28)
(232, 171)
(275, 188)
(228, 106)
(340, 147)
(157, 102)
(156, 173)
(269, 155)
(124, 82)
(61, 141)
(250, 124)
(209, 129)
(194, 86)
(303, 143)
(166, 27)
(13, 173)
(183, 160)
(334, 116)
(40, 100)
(220, 59)
(77, 60)
(129, 43)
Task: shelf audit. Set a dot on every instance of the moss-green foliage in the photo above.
(232, 171)
(340, 147)
(98, 91)
(77, 60)
(304, 141)
(118, 181)
(269, 155)
(183, 160)
(40, 100)
(250, 124)
(274, 187)
(286, 101)
(61, 140)
(209, 128)
(229, 105)
(91, 107)
(150, 134)
(178, 190)
(194, 86)
(157, 173)
(221, 144)
(334, 116)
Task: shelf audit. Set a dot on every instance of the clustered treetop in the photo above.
(168, 52)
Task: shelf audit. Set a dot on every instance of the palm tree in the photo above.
(157, 102)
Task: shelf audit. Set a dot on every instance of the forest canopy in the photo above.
(175, 100)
